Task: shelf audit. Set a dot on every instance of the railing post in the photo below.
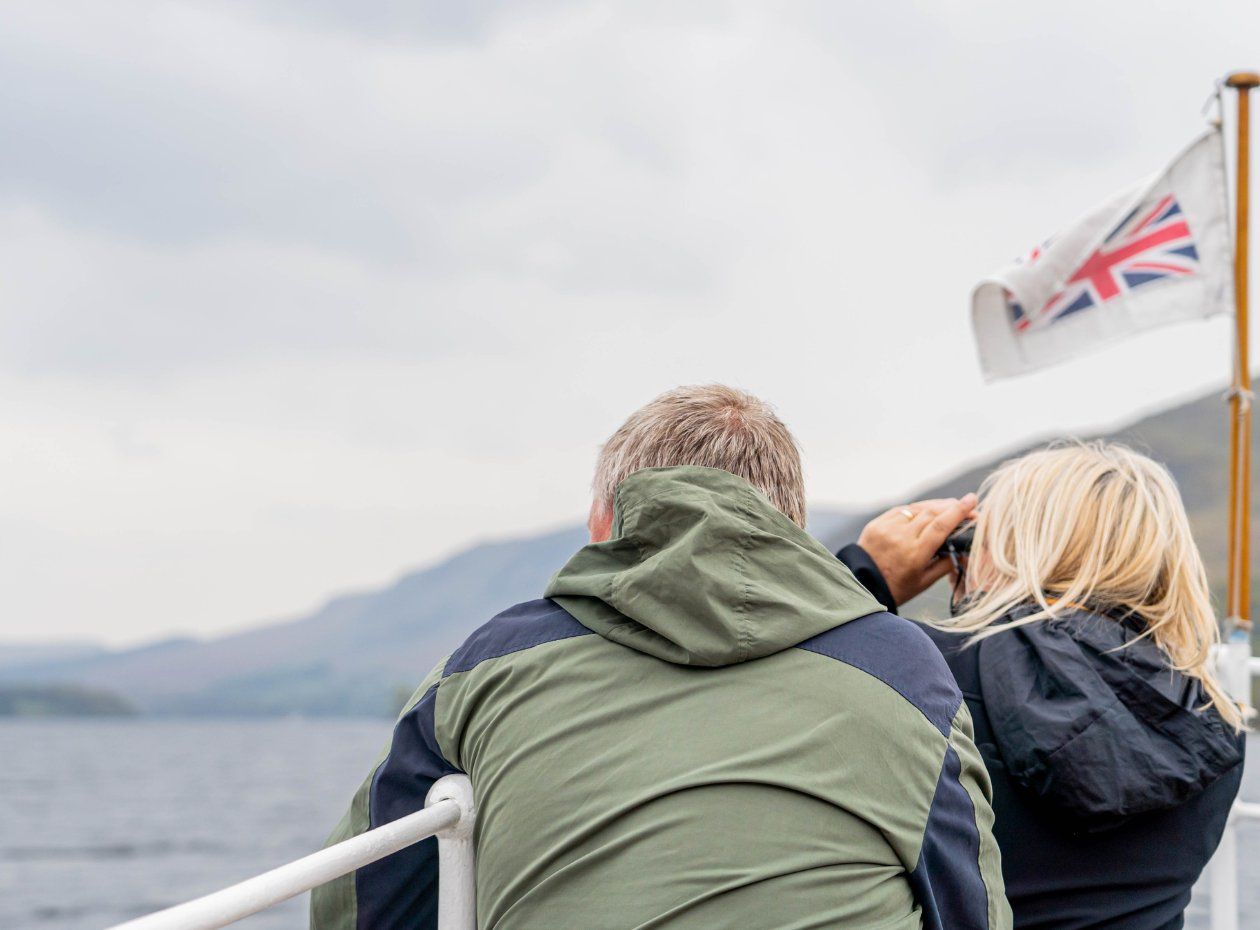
(457, 860)
(1233, 667)
(1233, 661)
(1223, 870)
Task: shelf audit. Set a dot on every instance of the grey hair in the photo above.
(710, 425)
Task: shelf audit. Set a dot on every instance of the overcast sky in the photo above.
(298, 294)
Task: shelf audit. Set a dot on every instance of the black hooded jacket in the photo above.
(1111, 788)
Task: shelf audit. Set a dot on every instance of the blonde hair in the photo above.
(1093, 525)
(711, 425)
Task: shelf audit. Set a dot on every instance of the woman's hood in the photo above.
(1088, 715)
(702, 570)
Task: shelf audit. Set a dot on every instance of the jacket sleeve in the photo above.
(958, 878)
(858, 560)
(399, 890)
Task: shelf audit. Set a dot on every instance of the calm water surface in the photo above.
(101, 821)
(105, 820)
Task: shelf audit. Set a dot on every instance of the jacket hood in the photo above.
(1089, 716)
(702, 570)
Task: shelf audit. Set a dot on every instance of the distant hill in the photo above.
(61, 701)
(349, 657)
(356, 654)
(1192, 440)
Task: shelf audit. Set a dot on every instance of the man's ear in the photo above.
(599, 524)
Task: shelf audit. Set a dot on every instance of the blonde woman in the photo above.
(1081, 640)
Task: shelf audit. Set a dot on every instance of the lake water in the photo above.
(101, 821)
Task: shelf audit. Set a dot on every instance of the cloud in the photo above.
(299, 294)
(325, 192)
(422, 21)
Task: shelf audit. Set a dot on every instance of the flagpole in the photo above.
(1234, 659)
(1239, 590)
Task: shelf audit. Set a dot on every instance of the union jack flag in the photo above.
(1152, 243)
(1175, 230)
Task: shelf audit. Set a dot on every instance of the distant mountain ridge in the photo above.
(348, 657)
(354, 655)
(358, 652)
(1191, 439)
(27, 700)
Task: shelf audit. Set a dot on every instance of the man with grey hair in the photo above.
(707, 721)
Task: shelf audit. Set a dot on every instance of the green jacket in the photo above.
(706, 723)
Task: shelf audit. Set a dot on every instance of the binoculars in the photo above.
(958, 543)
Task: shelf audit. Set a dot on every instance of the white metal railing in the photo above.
(449, 814)
(1236, 666)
